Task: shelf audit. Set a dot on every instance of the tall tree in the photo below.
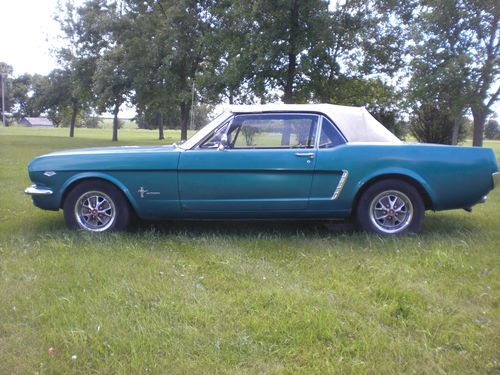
(147, 62)
(53, 98)
(437, 86)
(467, 32)
(27, 92)
(229, 73)
(82, 30)
(111, 80)
(112, 85)
(19, 95)
(364, 39)
(283, 35)
(298, 49)
(175, 31)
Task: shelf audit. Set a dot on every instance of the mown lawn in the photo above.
(199, 298)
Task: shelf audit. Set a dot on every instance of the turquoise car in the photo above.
(316, 161)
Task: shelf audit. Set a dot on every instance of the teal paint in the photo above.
(263, 183)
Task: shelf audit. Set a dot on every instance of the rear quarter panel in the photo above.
(453, 177)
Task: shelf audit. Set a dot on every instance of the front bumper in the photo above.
(35, 190)
(496, 179)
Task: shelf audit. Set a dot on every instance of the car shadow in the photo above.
(248, 228)
(444, 223)
(434, 224)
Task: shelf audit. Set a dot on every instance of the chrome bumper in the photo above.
(34, 190)
(496, 179)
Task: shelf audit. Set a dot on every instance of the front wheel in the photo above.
(391, 207)
(96, 206)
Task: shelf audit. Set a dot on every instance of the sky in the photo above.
(32, 35)
(29, 32)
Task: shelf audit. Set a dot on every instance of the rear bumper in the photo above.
(34, 190)
(496, 179)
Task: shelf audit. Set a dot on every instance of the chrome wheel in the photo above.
(95, 211)
(391, 211)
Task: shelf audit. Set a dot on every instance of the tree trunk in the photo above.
(74, 113)
(454, 134)
(185, 109)
(292, 55)
(115, 122)
(290, 76)
(160, 128)
(479, 114)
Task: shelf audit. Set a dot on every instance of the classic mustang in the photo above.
(268, 162)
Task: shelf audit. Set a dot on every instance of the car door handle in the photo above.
(309, 155)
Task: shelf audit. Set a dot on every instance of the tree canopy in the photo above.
(427, 63)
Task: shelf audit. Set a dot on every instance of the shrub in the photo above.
(92, 122)
(492, 130)
(432, 124)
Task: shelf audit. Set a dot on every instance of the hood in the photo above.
(111, 150)
(108, 159)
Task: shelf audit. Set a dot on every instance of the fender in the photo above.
(102, 176)
(398, 171)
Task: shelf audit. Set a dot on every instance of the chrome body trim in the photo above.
(496, 179)
(49, 173)
(34, 190)
(340, 186)
(319, 128)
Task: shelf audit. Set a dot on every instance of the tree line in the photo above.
(422, 66)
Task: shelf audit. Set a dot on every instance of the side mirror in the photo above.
(222, 143)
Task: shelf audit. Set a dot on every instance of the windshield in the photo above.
(206, 130)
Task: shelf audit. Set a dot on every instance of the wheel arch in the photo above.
(416, 182)
(75, 180)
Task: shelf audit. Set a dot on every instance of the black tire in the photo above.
(391, 207)
(96, 206)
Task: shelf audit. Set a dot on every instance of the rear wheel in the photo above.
(96, 206)
(391, 207)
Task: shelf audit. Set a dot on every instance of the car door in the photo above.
(266, 165)
(331, 172)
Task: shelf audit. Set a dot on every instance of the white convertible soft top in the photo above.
(355, 123)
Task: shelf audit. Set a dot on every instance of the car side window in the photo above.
(273, 130)
(214, 140)
(330, 136)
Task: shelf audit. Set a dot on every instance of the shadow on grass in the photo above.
(247, 228)
(447, 223)
(440, 224)
(434, 224)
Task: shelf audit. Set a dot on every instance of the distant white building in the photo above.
(37, 122)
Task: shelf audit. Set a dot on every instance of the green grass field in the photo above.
(203, 298)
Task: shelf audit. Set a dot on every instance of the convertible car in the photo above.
(311, 161)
